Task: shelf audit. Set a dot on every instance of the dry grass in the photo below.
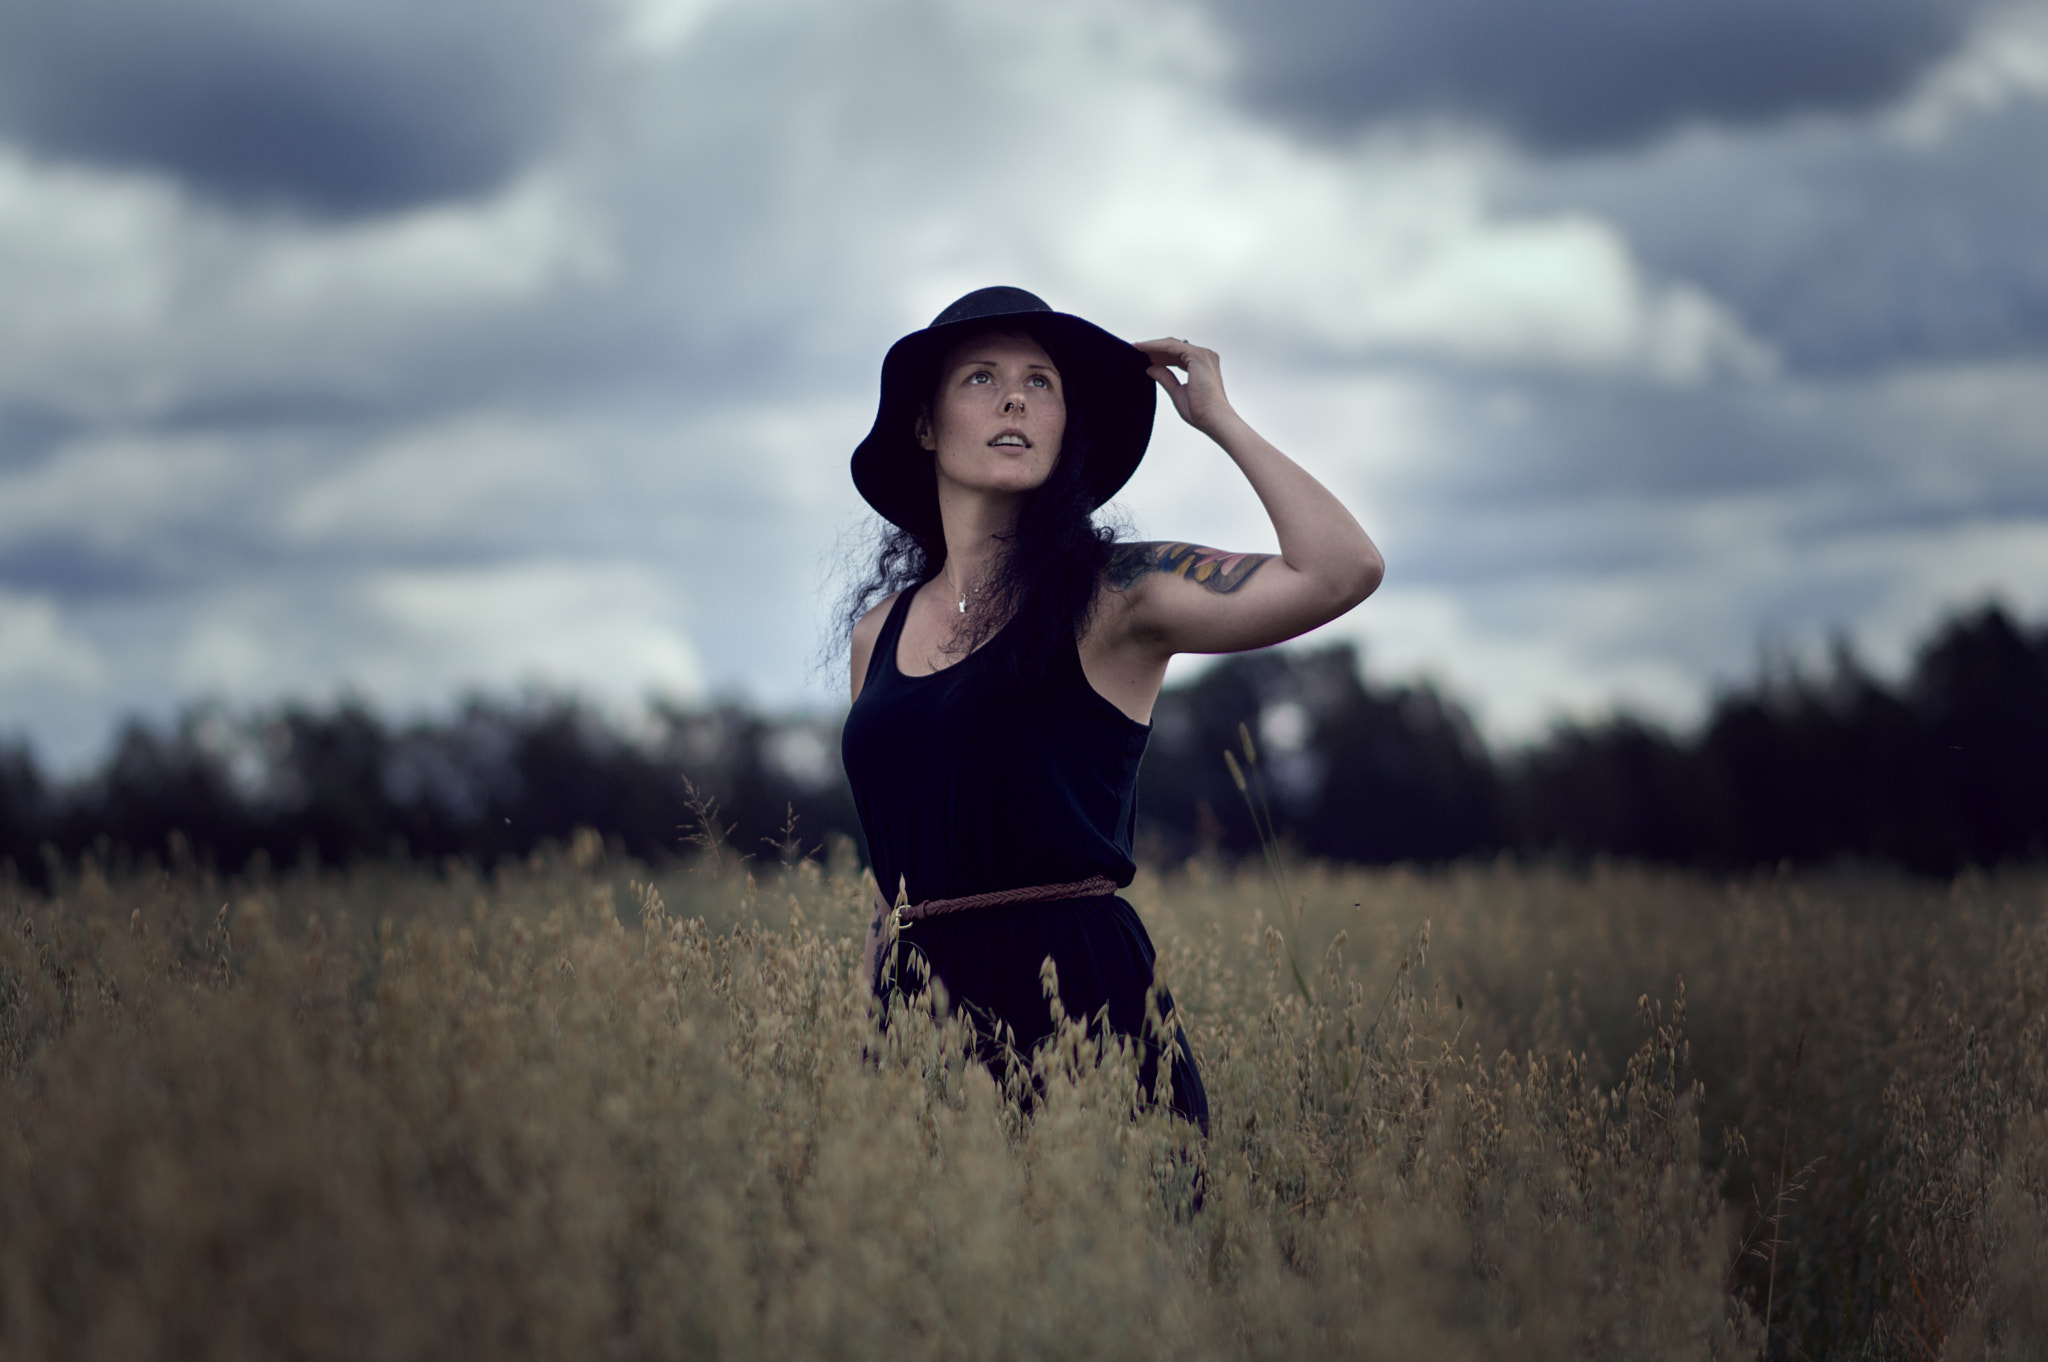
(560, 1115)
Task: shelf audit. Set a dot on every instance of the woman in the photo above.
(1003, 683)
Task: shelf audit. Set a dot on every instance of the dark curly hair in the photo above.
(1042, 588)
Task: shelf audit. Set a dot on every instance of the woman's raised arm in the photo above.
(1182, 598)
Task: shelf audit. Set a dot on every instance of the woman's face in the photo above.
(998, 415)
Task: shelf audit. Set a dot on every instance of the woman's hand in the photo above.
(1199, 399)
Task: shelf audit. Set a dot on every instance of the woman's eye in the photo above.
(981, 376)
(1041, 380)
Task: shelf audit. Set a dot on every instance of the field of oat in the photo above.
(578, 1109)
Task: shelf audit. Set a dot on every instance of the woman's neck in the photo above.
(975, 529)
(967, 567)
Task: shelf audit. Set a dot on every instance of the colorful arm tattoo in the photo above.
(1220, 572)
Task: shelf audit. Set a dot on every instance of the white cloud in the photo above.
(224, 657)
(1926, 574)
(1560, 291)
(1392, 252)
(505, 250)
(1952, 435)
(605, 629)
(655, 28)
(90, 282)
(1173, 211)
(119, 492)
(1519, 681)
(2004, 61)
(37, 645)
(425, 482)
(127, 299)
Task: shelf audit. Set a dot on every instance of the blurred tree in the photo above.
(1949, 769)
(1351, 772)
(155, 785)
(1619, 788)
(324, 793)
(496, 779)
(24, 806)
(1980, 691)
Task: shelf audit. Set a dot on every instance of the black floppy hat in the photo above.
(1109, 396)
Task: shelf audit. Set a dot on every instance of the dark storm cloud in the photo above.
(1844, 252)
(73, 572)
(1573, 75)
(1891, 257)
(335, 109)
(28, 434)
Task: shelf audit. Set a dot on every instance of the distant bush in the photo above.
(1947, 769)
(496, 780)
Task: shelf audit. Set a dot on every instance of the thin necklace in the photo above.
(956, 591)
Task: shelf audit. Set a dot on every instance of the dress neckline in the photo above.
(892, 639)
(896, 640)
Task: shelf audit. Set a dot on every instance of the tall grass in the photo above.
(574, 1110)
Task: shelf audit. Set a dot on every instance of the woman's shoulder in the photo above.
(869, 625)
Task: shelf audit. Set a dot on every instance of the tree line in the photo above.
(1945, 769)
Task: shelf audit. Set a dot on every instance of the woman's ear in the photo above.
(923, 429)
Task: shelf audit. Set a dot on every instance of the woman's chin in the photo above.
(1008, 483)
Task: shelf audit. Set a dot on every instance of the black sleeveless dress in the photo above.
(963, 788)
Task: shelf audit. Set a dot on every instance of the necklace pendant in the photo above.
(963, 605)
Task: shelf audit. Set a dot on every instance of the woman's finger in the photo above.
(1196, 397)
(1175, 350)
(1176, 391)
(1169, 380)
(1203, 368)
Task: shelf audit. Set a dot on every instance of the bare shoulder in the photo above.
(869, 625)
(1220, 572)
(865, 631)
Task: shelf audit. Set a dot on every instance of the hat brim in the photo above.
(1105, 380)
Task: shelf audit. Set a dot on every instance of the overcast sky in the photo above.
(405, 349)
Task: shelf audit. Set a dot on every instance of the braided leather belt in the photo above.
(904, 914)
